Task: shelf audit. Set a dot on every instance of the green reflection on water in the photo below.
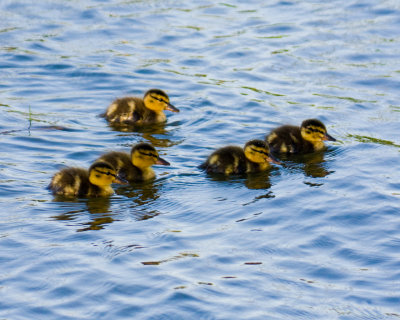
(344, 98)
(366, 139)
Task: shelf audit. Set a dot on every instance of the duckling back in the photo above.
(130, 111)
(122, 163)
(227, 160)
(73, 182)
(288, 139)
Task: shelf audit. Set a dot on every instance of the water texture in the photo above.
(315, 238)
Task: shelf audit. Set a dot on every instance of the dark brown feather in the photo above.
(118, 114)
(122, 163)
(73, 182)
(227, 157)
(290, 136)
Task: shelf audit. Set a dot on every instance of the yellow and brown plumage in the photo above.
(135, 167)
(309, 137)
(135, 110)
(254, 157)
(79, 182)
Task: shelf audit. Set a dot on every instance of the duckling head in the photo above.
(314, 131)
(103, 174)
(144, 155)
(258, 151)
(157, 100)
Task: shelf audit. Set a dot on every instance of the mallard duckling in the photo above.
(134, 110)
(309, 137)
(136, 166)
(79, 182)
(254, 157)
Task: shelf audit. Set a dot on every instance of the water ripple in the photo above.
(316, 237)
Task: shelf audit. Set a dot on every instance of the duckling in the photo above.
(135, 167)
(309, 137)
(134, 110)
(79, 182)
(254, 157)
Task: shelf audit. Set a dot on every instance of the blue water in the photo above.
(315, 238)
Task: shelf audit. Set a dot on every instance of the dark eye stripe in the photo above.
(158, 99)
(259, 151)
(106, 173)
(316, 130)
(148, 154)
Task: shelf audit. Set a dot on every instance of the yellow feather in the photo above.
(272, 137)
(214, 159)
(112, 108)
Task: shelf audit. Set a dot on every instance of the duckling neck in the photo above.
(254, 167)
(157, 115)
(160, 116)
(97, 191)
(107, 191)
(318, 145)
(147, 172)
(264, 166)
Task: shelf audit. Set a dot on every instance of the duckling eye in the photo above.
(259, 151)
(105, 173)
(148, 154)
(309, 130)
(158, 99)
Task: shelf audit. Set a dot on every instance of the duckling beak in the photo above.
(120, 180)
(162, 162)
(328, 137)
(272, 159)
(172, 108)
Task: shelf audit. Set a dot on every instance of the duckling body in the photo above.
(309, 137)
(135, 167)
(254, 157)
(123, 164)
(135, 110)
(79, 182)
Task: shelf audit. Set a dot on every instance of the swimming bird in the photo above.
(309, 137)
(135, 110)
(79, 182)
(254, 157)
(136, 166)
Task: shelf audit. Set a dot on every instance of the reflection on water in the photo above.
(312, 164)
(156, 134)
(258, 180)
(141, 193)
(177, 257)
(98, 205)
(255, 180)
(366, 139)
(143, 196)
(30, 128)
(97, 223)
(99, 209)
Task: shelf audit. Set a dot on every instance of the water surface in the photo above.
(315, 238)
